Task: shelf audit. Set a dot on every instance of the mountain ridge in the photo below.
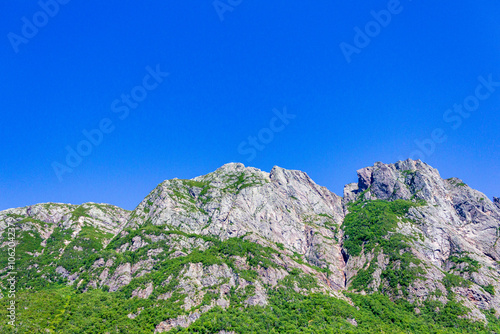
(401, 231)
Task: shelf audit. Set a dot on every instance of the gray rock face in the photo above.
(283, 206)
(454, 211)
(105, 217)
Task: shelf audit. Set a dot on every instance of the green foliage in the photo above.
(186, 199)
(15, 216)
(493, 321)
(403, 267)
(237, 182)
(370, 227)
(249, 275)
(364, 278)
(287, 311)
(195, 184)
(54, 307)
(368, 223)
(489, 288)
(37, 265)
(79, 212)
(297, 279)
(472, 266)
(291, 312)
(454, 181)
(62, 311)
(451, 281)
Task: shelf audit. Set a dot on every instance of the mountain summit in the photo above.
(241, 250)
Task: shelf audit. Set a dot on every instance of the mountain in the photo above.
(240, 250)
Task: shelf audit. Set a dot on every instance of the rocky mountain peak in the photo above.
(233, 167)
(401, 180)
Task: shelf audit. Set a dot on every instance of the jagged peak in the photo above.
(238, 167)
(403, 179)
(284, 176)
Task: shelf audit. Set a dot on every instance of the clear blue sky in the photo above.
(225, 79)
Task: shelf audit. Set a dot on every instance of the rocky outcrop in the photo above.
(455, 222)
(282, 207)
(105, 217)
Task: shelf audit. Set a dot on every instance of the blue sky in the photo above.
(233, 66)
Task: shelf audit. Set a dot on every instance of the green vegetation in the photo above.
(409, 172)
(15, 216)
(218, 252)
(368, 223)
(370, 227)
(180, 193)
(489, 288)
(71, 310)
(451, 281)
(45, 303)
(60, 310)
(297, 279)
(471, 265)
(454, 181)
(364, 278)
(79, 212)
(287, 311)
(237, 182)
(37, 264)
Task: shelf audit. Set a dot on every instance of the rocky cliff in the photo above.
(233, 239)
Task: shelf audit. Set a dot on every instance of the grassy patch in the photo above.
(79, 212)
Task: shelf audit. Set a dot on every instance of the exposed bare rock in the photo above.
(61, 271)
(143, 293)
(352, 321)
(103, 216)
(182, 321)
(259, 298)
(283, 206)
(137, 243)
(271, 276)
(121, 277)
(99, 263)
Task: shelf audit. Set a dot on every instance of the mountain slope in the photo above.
(453, 235)
(241, 250)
